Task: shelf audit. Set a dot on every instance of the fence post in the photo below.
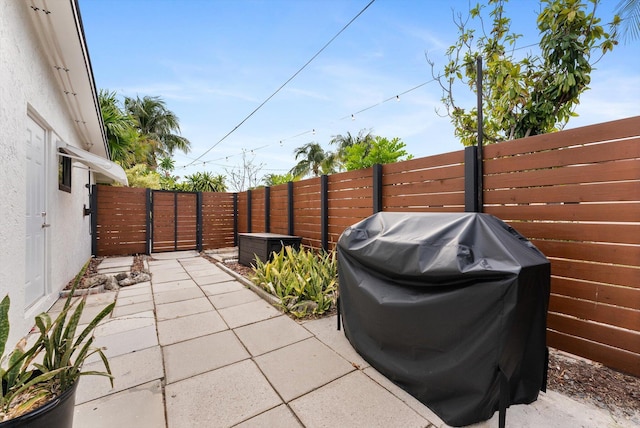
(249, 211)
(377, 188)
(290, 207)
(199, 221)
(324, 211)
(235, 219)
(149, 237)
(93, 207)
(471, 179)
(267, 209)
(479, 172)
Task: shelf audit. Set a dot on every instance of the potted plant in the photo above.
(39, 380)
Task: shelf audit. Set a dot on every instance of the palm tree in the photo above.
(206, 182)
(159, 126)
(122, 136)
(345, 141)
(629, 12)
(313, 160)
(167, 165)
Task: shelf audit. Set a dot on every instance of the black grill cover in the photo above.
(449, 306)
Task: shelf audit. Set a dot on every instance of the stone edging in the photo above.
(259, 291)
(83, 291)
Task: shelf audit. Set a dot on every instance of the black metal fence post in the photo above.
(199, 222)
(471, 179)
(267, 209)
(290, 207)
(479, 172)
(93, 207)
(377, 188)
(149, 237)
(248, 211)
(324, 211)
(235, 219)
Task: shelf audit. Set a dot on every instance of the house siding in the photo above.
(28, 88)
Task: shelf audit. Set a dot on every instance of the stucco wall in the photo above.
(27, 85)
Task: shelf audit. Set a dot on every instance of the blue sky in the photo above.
(215, 61)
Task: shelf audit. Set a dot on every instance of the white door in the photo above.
(35, 283)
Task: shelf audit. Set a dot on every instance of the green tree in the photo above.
(314, 160)
(122, 135)
(532, 95)
(378, 151)
(276, 179)
(158, 126)
(345, 141)
(141, 176)
(629, 12)
(205, 182)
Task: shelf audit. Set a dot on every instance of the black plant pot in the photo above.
(57, 413)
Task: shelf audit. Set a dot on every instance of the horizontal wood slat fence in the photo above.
(575, 194)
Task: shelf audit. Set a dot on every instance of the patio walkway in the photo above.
(196, 348)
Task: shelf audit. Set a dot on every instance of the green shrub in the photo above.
(304, 281)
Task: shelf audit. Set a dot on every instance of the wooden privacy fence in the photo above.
(140, 221)
(575, 194)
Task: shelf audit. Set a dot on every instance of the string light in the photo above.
(313, 131)
(284, 84)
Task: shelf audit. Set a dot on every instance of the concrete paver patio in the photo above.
(196, 348)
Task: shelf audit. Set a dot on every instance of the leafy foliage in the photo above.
(534, 94)
(205, 182)
(125, 144)
(157, 125)
(353, 152)
(378, 150)
(140, 175)
(53, 363)
(276, 179)
(629, 11)
(314, 160)
(305, 282)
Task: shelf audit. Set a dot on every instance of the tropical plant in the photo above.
(140, 175)
(364, 137)
(304, 281)
(276, 179)
(166, 165)
(205, 182)
(125, 145)
(528, 96)
(378, 150)
(629, 12)
(314, 160)
(53, 363)
(158, 126)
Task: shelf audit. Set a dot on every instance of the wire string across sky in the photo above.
(282, 86)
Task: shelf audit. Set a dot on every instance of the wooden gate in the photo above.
(176, 220)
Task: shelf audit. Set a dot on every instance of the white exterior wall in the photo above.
(27, 85)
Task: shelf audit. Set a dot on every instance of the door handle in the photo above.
(45, 225)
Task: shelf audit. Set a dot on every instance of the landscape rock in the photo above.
(94, 281)
(134, 278)
(111, 284)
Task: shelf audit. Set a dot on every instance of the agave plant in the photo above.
(305, 282)
(53, 363)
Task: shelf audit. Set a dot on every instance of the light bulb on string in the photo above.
(398, 98)
(313, 131)
(353, 117)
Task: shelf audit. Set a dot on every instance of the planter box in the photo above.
(261, 245)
